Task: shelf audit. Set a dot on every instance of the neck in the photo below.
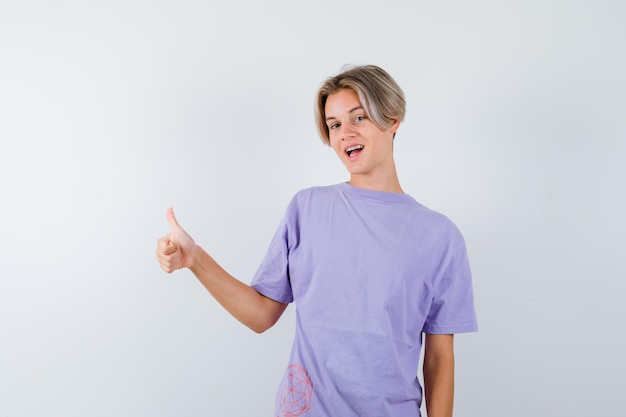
(387, 183)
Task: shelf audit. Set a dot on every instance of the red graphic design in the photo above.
(295, 398)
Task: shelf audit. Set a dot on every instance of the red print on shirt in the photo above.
(295, 397)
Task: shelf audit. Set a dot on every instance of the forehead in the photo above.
(342, 101)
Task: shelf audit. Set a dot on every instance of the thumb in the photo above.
(171, 219)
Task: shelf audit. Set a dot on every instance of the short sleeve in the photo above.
(272, 277)
(452, 309)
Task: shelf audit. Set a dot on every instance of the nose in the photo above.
(347, 131)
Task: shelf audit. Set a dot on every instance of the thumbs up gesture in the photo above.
(174, 251)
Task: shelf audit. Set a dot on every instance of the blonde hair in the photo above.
(379, 94)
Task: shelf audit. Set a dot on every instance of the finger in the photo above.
(165, 265)
(170, 248)
(162, 243)
(165, 247)
(168, 261)
(171, 218)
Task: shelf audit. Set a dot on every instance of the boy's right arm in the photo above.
(178, 250)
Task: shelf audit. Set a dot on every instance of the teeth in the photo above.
(353, 148)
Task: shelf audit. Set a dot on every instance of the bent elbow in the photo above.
(265, 322)
(261, 326)
(258, 329)
(265, 316)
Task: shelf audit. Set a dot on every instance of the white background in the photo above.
(110, 112)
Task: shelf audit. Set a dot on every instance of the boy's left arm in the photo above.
(439, 374)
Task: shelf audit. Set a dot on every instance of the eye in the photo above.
(359, 118)
(333, 126)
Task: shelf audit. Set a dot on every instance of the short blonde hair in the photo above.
(379, 94)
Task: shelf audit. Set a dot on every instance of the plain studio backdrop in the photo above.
(110, 112)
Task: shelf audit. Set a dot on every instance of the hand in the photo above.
(174, 251)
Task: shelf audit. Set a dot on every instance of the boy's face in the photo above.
(365, 150)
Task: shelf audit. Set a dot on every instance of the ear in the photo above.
(394, 127)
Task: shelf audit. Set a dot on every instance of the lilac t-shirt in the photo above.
(369, 271)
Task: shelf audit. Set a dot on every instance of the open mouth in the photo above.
(354, 150)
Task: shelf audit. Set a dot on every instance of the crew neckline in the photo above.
(386, 196)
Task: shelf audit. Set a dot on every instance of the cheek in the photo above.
(335, 144)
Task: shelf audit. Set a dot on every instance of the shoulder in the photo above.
(436, 223)
(435, 217)
(316, 193)
(311, 200)
(318, 190)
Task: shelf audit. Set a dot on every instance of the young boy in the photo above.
(369, 268)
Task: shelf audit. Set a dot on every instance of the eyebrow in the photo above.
(351, 110)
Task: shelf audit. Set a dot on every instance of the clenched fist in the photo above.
(175, 251)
